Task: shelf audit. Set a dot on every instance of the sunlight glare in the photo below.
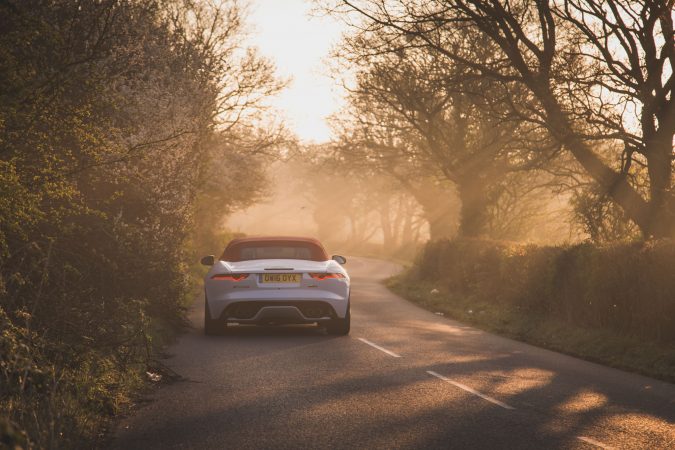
(299, 44)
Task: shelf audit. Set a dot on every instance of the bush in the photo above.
(114, 116)
(626, 288)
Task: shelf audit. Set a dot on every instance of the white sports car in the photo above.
(276, 280)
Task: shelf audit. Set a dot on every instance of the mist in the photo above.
(375, 214)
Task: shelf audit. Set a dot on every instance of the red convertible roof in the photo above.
(233, 250)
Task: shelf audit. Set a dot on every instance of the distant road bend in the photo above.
(403, 378)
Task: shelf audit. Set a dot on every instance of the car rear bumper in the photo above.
(278, 314)
(279, 306)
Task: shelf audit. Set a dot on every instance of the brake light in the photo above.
(323, 276)
(230, 276)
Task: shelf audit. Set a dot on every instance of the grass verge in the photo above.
(605, 347)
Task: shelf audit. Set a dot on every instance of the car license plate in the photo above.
(281, 277)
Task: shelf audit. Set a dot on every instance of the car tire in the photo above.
(211, 326)
(340, 327)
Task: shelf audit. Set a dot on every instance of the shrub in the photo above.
(626, 288)
(116, 117)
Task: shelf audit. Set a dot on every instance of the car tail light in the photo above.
(230, 276)
(323, 276)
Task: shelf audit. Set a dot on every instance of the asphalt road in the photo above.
(403, 378)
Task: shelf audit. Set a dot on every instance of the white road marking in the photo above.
(372, 344)
(594, 442)
(472, 391)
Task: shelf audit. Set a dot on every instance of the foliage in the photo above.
(607, 347)
(114, 115)
(601, 218)
(422, 119)
(623, 288)
(592, 74)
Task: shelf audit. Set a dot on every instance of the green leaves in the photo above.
(110, 115)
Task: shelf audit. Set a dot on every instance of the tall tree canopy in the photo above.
(593, 71)
(117, 118)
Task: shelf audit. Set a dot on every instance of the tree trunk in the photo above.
(474, 214)
(439, 207)
(441, 220)
(386, 225)
(407, 213)
(615, 184)
(662, 202)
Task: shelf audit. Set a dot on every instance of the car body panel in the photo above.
(222, 293)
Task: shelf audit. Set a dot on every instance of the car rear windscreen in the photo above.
(286, 252)
(246, 251)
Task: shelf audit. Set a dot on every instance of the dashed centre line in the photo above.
(374, 345)
(476, 393)
(594, 442)
(470, 390)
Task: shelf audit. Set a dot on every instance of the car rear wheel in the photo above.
(211, 326)
(340, 327)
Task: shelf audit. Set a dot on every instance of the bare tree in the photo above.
(438, 117)
(593, 69)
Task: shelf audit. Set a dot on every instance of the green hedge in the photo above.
(627, 288)
(108, 138)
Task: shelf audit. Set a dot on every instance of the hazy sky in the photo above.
(299, 44)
